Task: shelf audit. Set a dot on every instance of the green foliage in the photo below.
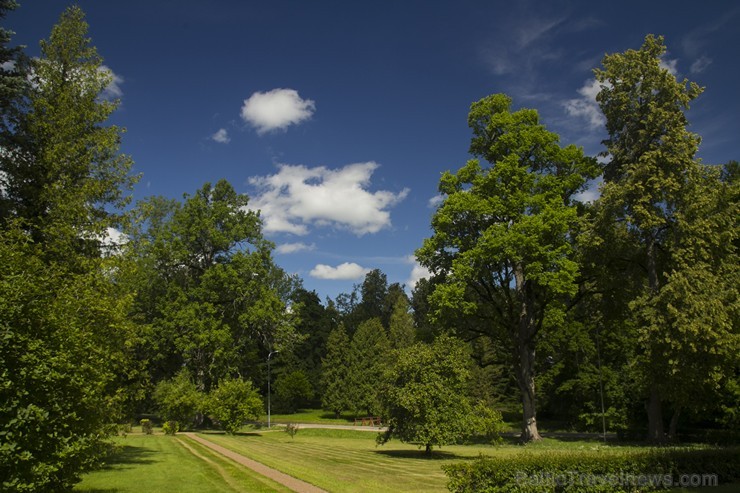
(209, 296)
(170, 427)
(233, 402)
(676, 228)
(424, 396)
(147, 427)
(369, 352)
(588, 471)
(293, 391)
(401, 332)
(503, 245)
(335, 372)
(62, 311)
(291, 429)
(179, 400)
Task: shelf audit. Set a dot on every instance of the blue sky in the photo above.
(337, 118)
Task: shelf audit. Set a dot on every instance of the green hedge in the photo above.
(587, 471)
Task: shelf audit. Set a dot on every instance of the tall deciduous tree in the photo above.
(502, 239)
(207, 287)
(667, 208)
(62, 313)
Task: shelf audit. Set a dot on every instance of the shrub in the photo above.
(592, 471)
(291, 429)
(233, 402)
(179, 400)
(146, 426)
(170, 427)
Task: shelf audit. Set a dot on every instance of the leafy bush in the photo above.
(179, 400)
(592, 471)
(233, 402)
(291, 429)
(486, 423)
(170, 427)
(146, 426)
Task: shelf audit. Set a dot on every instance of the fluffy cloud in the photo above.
(287, 248)
(670, 64)
(297, 197)
(586, 106)
(222, 136)
(346, 271)
(113, 89)
(417, 272)
(276, 109)
(435, 201)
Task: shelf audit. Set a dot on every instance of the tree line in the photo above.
(616, 314)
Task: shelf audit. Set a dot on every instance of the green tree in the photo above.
(335, 372)
(179, 400)
(314, 322)
(293, 390)
(668, 209)
(502, 248)
(424, 394)
(401, 332)
(369, 353)
(209, 296)
(233, 402)
(63, 322)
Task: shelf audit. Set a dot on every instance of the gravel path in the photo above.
(294, 484)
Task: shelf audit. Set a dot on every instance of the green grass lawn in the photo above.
(159, 463)
(335, 460)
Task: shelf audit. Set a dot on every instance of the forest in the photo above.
(618, 315)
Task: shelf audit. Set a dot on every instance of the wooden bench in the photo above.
(368, 421)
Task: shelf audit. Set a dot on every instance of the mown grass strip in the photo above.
(161, 464)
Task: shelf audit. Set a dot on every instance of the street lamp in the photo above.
(268, 386)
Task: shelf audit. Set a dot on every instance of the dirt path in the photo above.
(294, 484)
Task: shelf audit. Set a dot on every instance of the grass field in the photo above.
(335, 460)
(159, 463)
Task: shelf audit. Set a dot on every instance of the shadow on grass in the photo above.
(421, 454)
(128, 455)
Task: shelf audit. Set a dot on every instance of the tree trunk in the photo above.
(673, 426)
(428, 450)
(524, 354)
(525, 379)
(656, 432)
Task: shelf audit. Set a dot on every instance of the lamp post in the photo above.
(269, 356)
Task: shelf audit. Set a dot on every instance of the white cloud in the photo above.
(222, 136)
(417, 272)
(346, 271)
(700, 64)
(435, 201)
(276, 109)
(586, 106)
(113, 89)
(287, 248)
(670, 64)
(297, 197)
